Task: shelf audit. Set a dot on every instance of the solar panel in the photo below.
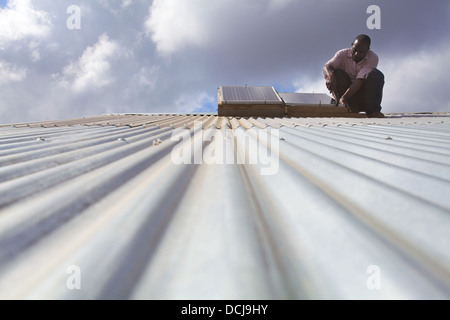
(305, 98)
(249, 95)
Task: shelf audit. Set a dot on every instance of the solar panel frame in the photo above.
(249, 95)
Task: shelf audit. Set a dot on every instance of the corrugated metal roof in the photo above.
(301, 208)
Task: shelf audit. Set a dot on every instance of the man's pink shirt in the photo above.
(343, 60)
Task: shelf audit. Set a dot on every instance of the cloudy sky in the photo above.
(75, 58)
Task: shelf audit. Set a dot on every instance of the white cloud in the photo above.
(418, 82)
(18, 20)
(126, 3)
(175, 23)
(10, 73)
(34, 52)
(311, 86)
(92, 70)
(147, 77)
(190, 103)
(116, 6)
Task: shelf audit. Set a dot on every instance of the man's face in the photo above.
(359, 51)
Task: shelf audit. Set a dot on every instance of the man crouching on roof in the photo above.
(354, 80)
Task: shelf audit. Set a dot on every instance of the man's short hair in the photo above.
(363, 38)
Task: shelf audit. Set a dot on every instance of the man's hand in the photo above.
(351, 91)
(346, 103)
(331, 85)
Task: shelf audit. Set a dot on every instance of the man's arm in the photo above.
(330, 66)
(352, 90)
(329, 78)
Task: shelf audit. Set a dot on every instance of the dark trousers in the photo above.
(368, 98)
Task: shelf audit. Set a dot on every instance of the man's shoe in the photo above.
(375, 115)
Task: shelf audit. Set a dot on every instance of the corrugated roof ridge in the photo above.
(257, 123)
(109, 174)
(383, 141)
(195, 121)
(172, 121)
(272, 122)
(223, 123)
(208, 121)
(312, 166)
(439, 145)
(282, 207)
(234, 123)
(53, 155)
(14, 155)
(389, 174)
(17, 135)
(138, 119)
(15, 189)
(64, 122)
(381, 150)
(245, 123)
(285, 122)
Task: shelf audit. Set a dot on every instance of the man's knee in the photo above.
(341, 74)
(343, 81)
(375, 75)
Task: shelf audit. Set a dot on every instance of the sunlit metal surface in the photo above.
(299, 98)
(261, 208)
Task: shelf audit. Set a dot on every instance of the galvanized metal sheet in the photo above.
(260, 208)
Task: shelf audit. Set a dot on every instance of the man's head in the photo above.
(360, 47)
